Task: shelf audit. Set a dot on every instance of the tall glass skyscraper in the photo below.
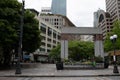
(58, 7)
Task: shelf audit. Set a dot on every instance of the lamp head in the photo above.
(115, 36)
(111, 37)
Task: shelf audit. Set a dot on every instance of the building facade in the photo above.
(58, 7)
(105, 20)
(50, 36)
(102, 19)
(57, 20)
(113, 7)
(46, 10)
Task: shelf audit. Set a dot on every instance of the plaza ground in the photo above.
(38, 71)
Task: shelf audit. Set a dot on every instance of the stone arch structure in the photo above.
(66, 33)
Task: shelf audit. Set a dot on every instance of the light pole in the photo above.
(18, 66)
(113, 39)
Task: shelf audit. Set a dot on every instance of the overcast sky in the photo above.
(80, 12)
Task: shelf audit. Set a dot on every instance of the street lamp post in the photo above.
(18, 66)
(113, 39)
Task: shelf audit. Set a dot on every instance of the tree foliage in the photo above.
(10, 15)
(78, 50)
(31, 33)
(9, 21)
(107, 43)
(55, 53)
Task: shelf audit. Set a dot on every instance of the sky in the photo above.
(80, 12)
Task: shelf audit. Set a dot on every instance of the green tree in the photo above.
(10, 13)
(31, 33)
(78, 50)
(55, 53)
(116, 30)
(107, 43)
(9, 21)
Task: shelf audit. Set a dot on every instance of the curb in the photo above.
(59, 75)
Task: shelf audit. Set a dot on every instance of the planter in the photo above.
(106, 64)
(59, 65)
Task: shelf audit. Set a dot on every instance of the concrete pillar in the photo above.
(64, 49)
(98, 45)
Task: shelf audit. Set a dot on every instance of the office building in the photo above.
(105, 20)
(57, 20)
(113, 7)
(58, 7)
(46, 10)
(102, 19)
(50, 39)
(50, 36)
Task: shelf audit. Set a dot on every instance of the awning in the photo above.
(117, 52)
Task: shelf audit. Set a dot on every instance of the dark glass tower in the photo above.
(58, 7)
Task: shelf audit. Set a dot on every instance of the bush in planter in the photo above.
(99, 59)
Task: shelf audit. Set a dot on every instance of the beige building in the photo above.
(56, 20)
(45, 10)
(50, 26)
(50, 36)
(59, 21)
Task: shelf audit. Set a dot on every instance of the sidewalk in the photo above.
(49, 70)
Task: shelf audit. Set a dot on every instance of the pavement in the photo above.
(49, 70)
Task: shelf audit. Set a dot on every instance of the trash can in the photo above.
(106, 64)
(59, 65)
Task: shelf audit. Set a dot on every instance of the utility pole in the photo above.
(18, 65)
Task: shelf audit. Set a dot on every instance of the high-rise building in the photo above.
(113, 7)
(58, 7)
(102, 20)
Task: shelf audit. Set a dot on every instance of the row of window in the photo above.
(49, 45)
(52, 19)
(43, 30)
(43, 50)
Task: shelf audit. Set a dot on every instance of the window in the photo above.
(54, 35)
(49, 31)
